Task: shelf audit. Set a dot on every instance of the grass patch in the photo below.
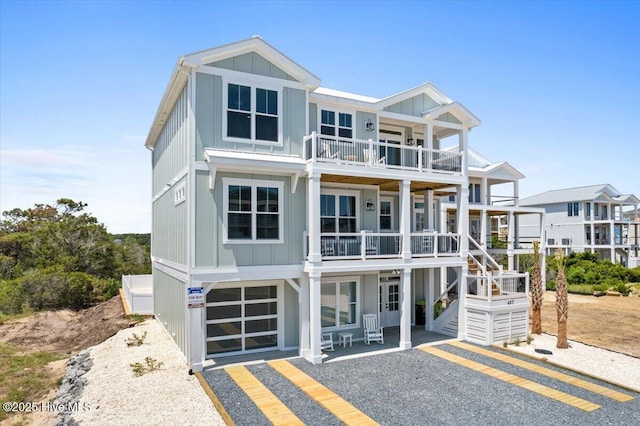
(136, 318)
(23, 377)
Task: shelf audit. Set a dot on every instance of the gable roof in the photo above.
(187, 63)
(258, 45)
(601, 192)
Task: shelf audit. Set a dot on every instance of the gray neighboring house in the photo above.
(596, 218)
(284, 211)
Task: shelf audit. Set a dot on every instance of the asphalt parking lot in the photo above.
(415, 387)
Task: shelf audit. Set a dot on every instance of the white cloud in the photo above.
(114, 181)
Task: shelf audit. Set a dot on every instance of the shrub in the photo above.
(551, 285)
(150, 364)
(135, 340)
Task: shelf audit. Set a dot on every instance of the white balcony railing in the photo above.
(370, 245)
(495, 287)
(331, 149)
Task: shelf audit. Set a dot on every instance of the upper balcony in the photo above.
(382, 155)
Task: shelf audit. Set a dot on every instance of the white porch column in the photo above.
(405, 218)
(516, 193)
(405, 317)
(510, 237)
(428, 209)
(612, 235)
(315, 324)
(483, 228)
(313, 213)
(429, 298)
(303, 309)
(485, 195)
(463, 145)
(428, 136)
(195, 327)
(462, 219)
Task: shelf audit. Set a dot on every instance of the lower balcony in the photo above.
(366, 245)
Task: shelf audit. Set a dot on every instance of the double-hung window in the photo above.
(338, 213)
(339, 303)
(334, 123)
(252, 114)
(474, 193)
(253, 210)
(573, 209)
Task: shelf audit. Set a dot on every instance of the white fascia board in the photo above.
(401, 117)
(262, 163)
(603, 196)
(247, 273)
(503, 166)
(177, 81)
(258, 45)
(426, 88)
(353, 266)
(336, 101)
(627, 199)
(457, 110)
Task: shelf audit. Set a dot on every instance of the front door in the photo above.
(390, 302)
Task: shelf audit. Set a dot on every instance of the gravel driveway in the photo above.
(415, 388)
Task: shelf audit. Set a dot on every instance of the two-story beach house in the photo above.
(283, 211)
(596, 218)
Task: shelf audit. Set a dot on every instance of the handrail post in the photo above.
(420, 149)
(305, 244)
(314, 144)
(435, 244)
(371, 152)
(363, 247)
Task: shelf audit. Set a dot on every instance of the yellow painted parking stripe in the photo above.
(610, 393)
(265, 400)
(574, 401)
(324, 396)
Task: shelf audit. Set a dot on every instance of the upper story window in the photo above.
(336, 124)
(587, 207)
(474, 193)
(252, 114)
(386, 214)
(338, 213)
(253, 211)
(180, 194)
(573, 209)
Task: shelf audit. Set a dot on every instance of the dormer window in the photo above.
(252, 114)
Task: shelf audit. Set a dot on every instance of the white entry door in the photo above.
(390, 303)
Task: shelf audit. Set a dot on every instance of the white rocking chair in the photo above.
(326, 341)
(326, 151)
(371, 157)
(372, 333)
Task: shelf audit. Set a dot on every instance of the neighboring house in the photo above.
(597, 218)
(297, 209)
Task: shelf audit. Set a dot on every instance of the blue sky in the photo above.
(556, 84)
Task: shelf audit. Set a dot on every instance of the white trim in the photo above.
(337, 112)
(337, 280)
(181, 174)
(391, 201)
(338, 192)
(254, 184)
(253, 85)
(228, 74)
(180, 193)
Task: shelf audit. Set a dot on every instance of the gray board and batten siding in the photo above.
(252, 63)
(211, 251)
(209, 115)
(169, 159)
(170, 300)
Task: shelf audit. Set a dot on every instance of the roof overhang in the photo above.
(456, 109)
(258, 45)
(178, 79)
(222, 160)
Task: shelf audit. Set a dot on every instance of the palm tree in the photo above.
(536, 290)
(562, 302)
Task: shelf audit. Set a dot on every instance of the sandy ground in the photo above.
(606, 322)
(609, 322)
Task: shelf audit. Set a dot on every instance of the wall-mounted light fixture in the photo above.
(410, 141)
(369, 126)
(370, 206)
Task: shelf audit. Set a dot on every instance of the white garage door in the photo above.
(242, 319)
